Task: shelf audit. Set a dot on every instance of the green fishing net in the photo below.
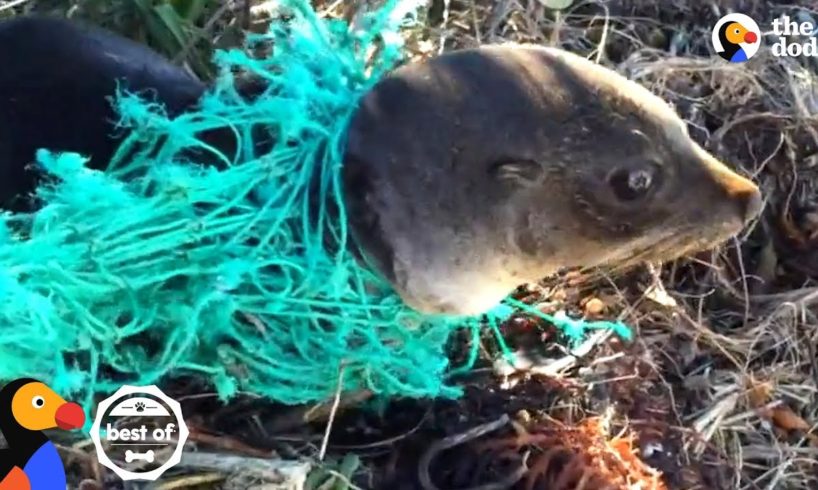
(159, 266)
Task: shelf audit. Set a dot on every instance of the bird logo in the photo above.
(736, 38)
(31, 461)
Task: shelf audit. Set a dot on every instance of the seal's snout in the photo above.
(741, 191)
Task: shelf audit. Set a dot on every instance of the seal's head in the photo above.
(471, 173)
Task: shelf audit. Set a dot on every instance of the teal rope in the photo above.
(574, 329)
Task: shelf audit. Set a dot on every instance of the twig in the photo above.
(344, 479)
(600, 50)
(443, 26)
(273, 470)
(745, 287)
(189, 481)
(298, 416)
(476, 22)
(336, 401)
(457, 439)
(386, 442)
(12, 4)
(204, 31)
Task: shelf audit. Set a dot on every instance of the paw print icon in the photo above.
(139, 406)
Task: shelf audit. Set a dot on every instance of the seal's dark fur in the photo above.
(56, 82)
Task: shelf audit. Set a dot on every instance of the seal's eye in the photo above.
(38, 402)
(629, 185)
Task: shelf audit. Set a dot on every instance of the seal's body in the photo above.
(465, 175)
(56, 82)
(483, 169)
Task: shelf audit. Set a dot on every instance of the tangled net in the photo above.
(159, 265)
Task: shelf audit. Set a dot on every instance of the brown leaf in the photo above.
(783, 417)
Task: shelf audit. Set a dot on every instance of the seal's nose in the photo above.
(750, 37)
(740, 191)
(746, 195)
(750, 202)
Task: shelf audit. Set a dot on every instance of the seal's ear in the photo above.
(522, 173)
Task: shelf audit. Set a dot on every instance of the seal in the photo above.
(464, 175)
(55, 87)
(483, 169)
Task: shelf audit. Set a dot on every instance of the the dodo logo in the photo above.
(139, 433)
(31, 461)
(736, 37)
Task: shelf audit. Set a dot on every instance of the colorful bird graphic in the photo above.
(31, 462)
(732, 35)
